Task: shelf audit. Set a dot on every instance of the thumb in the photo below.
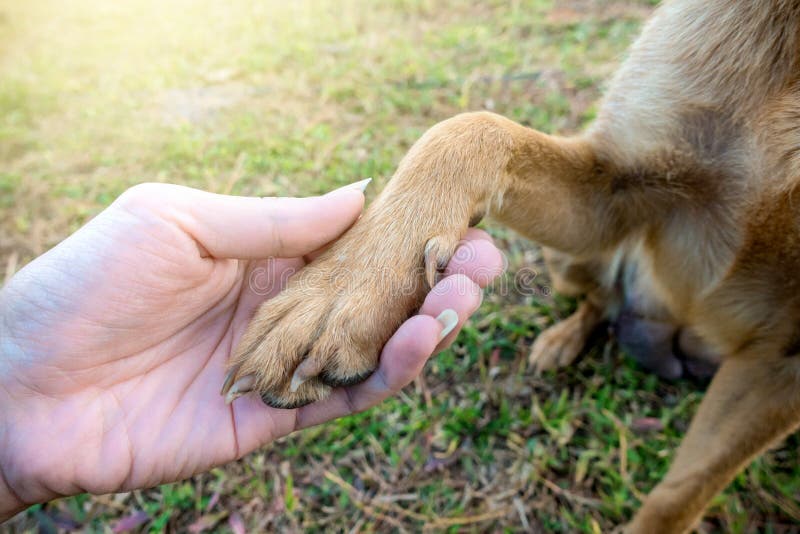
(251, 227)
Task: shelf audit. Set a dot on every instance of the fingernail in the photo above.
(449, 320)
(358, 186)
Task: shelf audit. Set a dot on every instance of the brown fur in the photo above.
(689, 173)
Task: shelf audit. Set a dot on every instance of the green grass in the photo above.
(266, 98)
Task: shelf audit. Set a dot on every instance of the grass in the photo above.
(296, 98)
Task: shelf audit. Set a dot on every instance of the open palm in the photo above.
(113, 345)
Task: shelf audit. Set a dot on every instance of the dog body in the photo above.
(674, 213)
(701, 122)
(700, 130)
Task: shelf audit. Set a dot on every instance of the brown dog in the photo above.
(674, 212)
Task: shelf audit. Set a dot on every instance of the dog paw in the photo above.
(556, 347)
(328, 327)
(559, 345)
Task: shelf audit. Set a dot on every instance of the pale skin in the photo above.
(113, 345)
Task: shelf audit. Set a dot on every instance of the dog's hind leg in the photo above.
(753, 401)
(559, 345)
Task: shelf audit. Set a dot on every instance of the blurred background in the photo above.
(268, 97)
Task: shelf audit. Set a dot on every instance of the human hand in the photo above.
(113, 344)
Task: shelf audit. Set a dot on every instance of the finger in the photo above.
(477, 233)
(403, 356)
(477, 258)
(457, 292)
(238, 227)
(251, 227)
(401, 361)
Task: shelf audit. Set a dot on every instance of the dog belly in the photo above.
(650, 334)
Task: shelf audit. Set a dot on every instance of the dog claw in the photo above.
(436, 256)
(226, 384)
(241, 387)
(308, 368)
(297, 381)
